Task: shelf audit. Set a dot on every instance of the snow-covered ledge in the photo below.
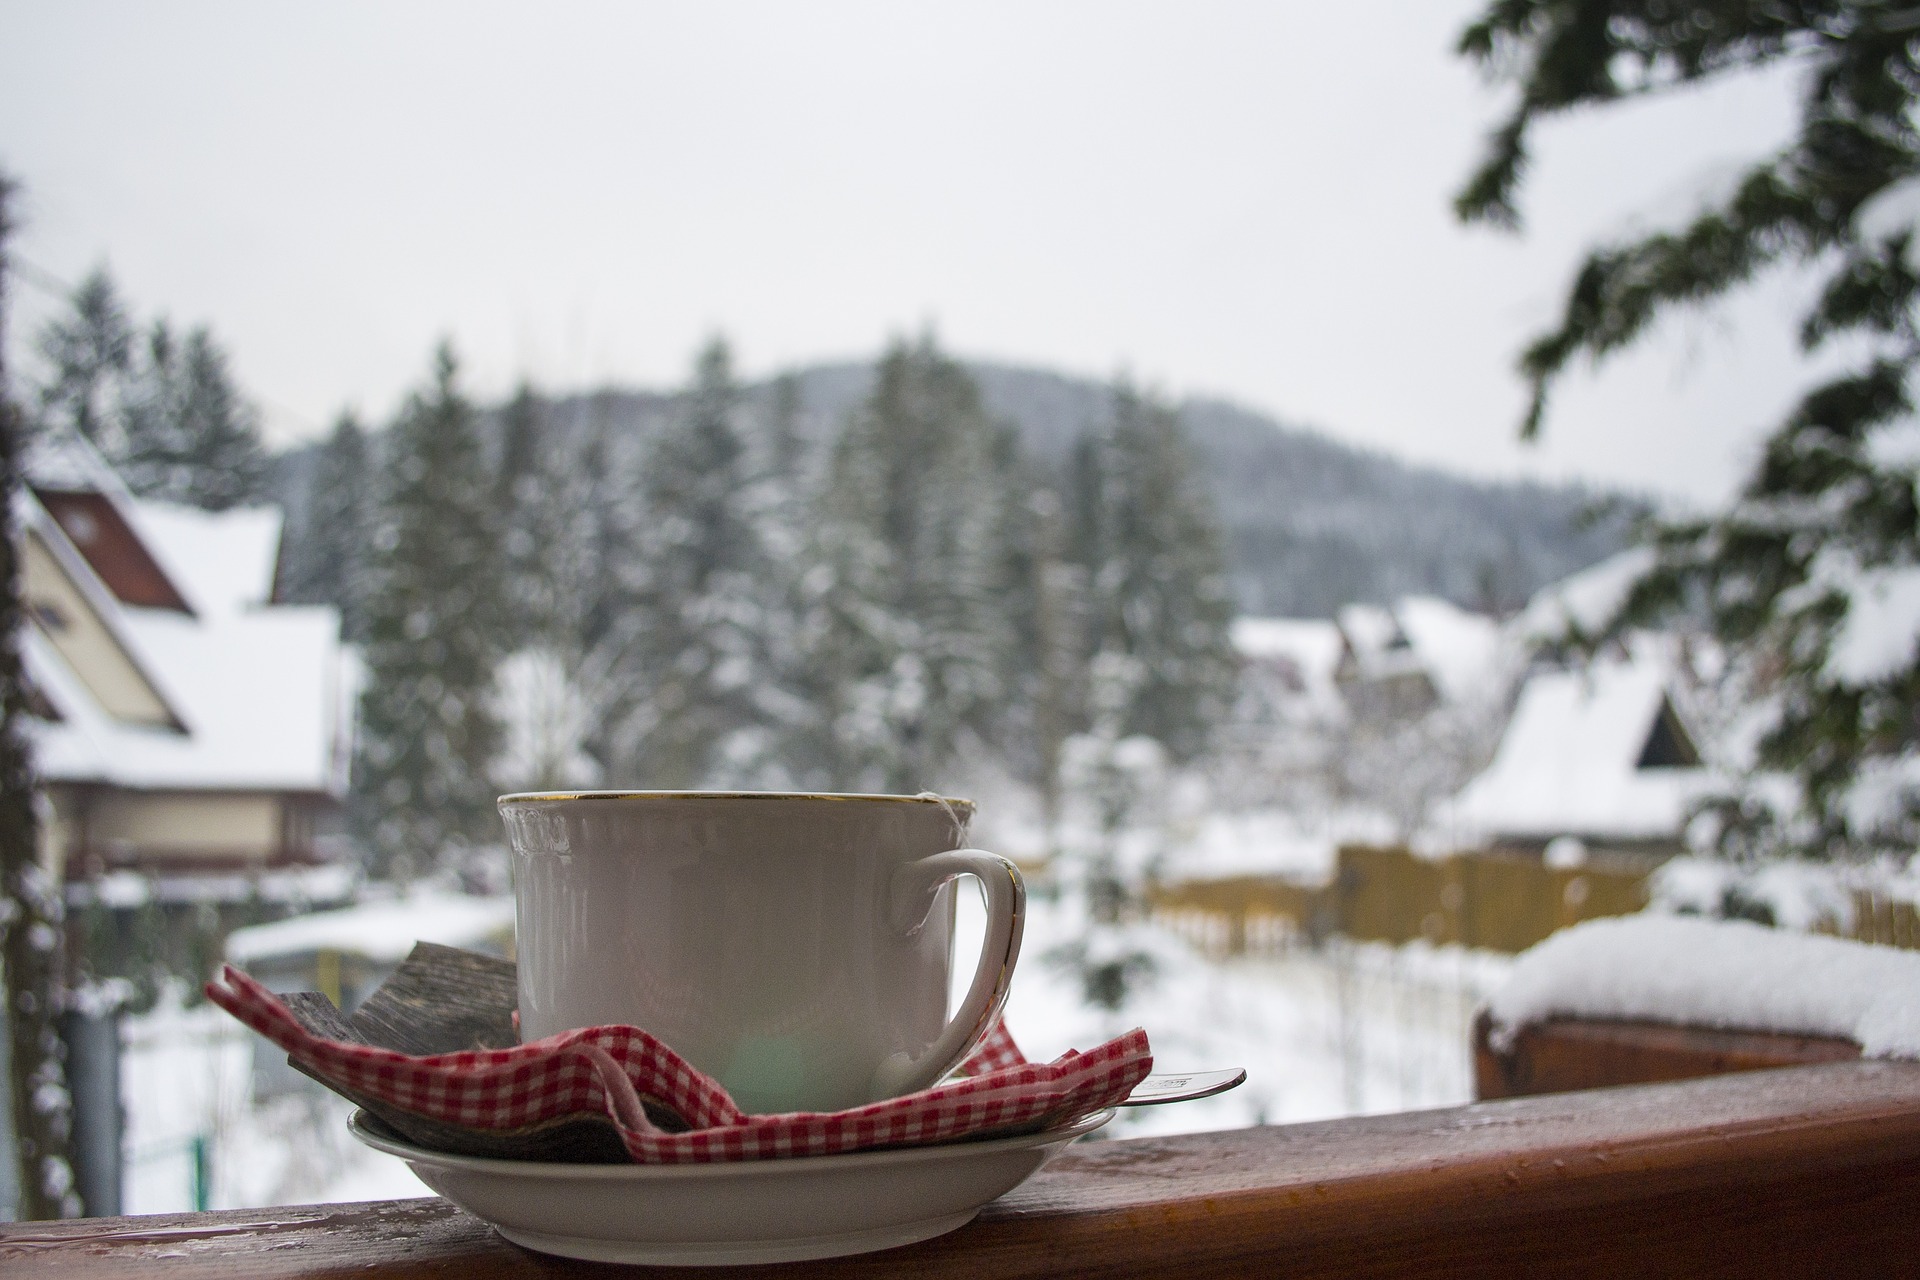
(1645, 999)
(1730, 975)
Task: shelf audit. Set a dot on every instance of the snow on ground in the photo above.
(1719, 973)
(1348, 1029)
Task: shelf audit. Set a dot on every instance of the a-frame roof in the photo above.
(1597, 752)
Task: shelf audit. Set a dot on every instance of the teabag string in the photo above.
(449, 1010)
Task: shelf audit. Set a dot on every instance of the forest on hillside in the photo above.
(1308, 523)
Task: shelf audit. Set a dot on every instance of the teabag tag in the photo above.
(1183, 1088)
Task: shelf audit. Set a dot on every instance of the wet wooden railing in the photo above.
(1805, 1171)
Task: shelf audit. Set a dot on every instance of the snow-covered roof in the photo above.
(259, 693)
(1583, 602)
(222, 560)
(1568, 763)
(380, 931)
(64, 460)
(1290, 663)
(1369, 629)
(1313, 643)
(1456, 650)
(1459, 650)
(1718, 973)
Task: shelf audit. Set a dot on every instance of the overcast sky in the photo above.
(1248, 200)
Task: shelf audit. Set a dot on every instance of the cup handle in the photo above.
(912, 892)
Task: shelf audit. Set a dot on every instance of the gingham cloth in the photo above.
(610, 1069)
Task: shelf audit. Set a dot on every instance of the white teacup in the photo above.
(795, 947)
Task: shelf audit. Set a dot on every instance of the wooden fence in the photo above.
(1495, 901)
(1891, 921)
(1492, 901)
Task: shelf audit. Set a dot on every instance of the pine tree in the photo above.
(1794, 576)
(520, 482)
(778, 503)
(328, 563)
(546, 496)
(1058, 649)
(1156, 575)
(187, 435)
(549, 490)
(31, 907)
(222, 462)
(908, 631)
(784, 447)
(615, 519)
(1150, 607)
(147, 440)
(1113, 797)
(700, 698)
(90, 352)
(165, 412)
(428, 733)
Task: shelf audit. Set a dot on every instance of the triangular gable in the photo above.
(1595, 753)
(100, 532)
(1668, 744)
(72, 608)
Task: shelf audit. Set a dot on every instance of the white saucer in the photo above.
(740, 1211)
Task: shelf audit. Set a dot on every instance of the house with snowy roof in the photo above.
(1398, 662)
(1288, 663)
(185, 723)
(1598, 753)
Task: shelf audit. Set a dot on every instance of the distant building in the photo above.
(1597, 754)
(1288, 664)
(1397, 663)
(185, 726)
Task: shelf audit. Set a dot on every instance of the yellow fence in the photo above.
(1491, 901)
(1499, 902)
(1878, 918)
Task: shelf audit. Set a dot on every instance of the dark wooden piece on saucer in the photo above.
(445, 1000)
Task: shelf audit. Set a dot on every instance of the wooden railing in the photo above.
(1810, 1171)
(1563, 1054)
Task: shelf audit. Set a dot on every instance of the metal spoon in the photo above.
(1183, 1088)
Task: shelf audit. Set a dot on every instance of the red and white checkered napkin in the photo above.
(610, 1069)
